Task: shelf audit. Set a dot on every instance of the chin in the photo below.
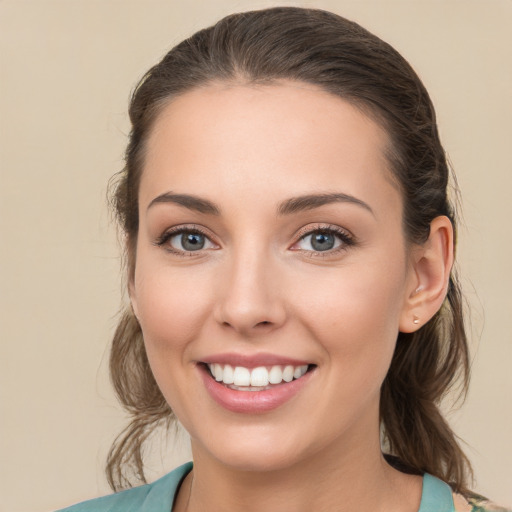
(257, 460)
(256, 450)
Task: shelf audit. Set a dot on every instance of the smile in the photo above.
(261, 378)
(272, 386)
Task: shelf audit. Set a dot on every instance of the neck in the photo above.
(343, 478)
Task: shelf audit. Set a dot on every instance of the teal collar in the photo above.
(436, 495)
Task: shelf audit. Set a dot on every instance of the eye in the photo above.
(185, 240)
(320, 241)
(324, 239)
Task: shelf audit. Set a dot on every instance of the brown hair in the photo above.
(326, 50)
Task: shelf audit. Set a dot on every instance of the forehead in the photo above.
(281, 139)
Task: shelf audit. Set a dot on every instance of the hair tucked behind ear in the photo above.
(425, 365)
(339, 56)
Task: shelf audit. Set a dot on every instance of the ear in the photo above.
(429, 276)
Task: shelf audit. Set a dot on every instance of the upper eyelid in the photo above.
(307, 230)
(187, 228)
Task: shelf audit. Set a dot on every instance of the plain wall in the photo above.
(66, 71)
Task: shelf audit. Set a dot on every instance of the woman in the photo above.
(290, 247)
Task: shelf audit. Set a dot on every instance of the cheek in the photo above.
(356, 323)
(355, 314)
(171, 309)
(171, 306)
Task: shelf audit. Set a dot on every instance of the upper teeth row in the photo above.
(260, 376)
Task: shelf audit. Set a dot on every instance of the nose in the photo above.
(251, 301)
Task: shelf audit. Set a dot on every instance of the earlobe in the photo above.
(430, 275)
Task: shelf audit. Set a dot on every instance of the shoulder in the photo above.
(476, 504)
(479, 504)
(438, 495)
(128, 500)
(155, 497)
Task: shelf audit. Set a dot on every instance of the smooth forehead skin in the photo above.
(289, 138)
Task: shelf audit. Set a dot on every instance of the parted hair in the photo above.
(323, 49)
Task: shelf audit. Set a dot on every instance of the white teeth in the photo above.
(217, 372)
(228, 377)
(259, 377)
(275, 375)
(300, 371)
(242, 376)
(288, 373)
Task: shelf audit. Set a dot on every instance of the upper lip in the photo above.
(253, 360)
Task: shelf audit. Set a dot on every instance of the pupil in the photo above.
(322, 242)
(192, 241)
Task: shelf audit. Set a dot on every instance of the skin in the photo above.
(257, 286)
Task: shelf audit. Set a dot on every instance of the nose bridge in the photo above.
(251, 298)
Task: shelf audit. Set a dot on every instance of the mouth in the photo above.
(254, 389)
(261, 378)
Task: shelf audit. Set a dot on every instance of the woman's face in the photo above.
(270, 237)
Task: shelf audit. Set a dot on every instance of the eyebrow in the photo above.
(311, 201)
(191, 202)
(287, 207)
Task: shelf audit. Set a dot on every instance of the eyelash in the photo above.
(163, 239)
(347, 239)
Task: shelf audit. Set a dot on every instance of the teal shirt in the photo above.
(159, 496)
(155, 497)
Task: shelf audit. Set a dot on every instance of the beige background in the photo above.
(67, 68)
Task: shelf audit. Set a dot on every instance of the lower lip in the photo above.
(252, 402)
